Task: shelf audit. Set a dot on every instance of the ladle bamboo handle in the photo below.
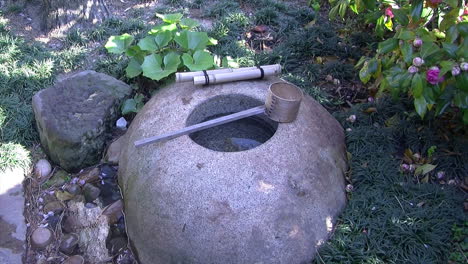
(201, 126)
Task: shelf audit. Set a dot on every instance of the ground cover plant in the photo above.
(394, 214)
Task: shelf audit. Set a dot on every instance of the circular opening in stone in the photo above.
(239, 135)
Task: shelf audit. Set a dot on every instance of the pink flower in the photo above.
(456, 70)
(418, 61)
(388, 12)
(417, 42)
(413, 69)
(432, 76)
(464, 66)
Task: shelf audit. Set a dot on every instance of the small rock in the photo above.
(121, 123)
(42, 169)
(68, 243)
(56, 207)
(53, 220)
(117, 244)
(41, 237)
(79, 198)
(107, 172)
(89, 175)
(74, 189)
(76, 259)
(90, 205)
(91, 192)
(63, 196)
(113, 211)
(71, 224)
(113, 152)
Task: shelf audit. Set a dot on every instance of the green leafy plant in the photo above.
(167, 48)
(425, 58)
(132, 105)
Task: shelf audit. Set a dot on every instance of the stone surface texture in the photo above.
(74, 116)
(12, 223)
(275, 203)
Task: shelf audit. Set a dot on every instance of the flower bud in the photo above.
(417, 42)
(413, 69)
(456, 70)
(418, 61)
(351, 118)
(464, 66)
(440, 175)
(349, 188)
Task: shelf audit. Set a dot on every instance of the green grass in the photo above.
(390, 218)
(25, 68)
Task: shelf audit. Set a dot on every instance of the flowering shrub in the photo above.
(426, 56)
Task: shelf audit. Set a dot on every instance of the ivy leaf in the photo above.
(420, 105)
(129, 106)
(192, 40)
(388, 45)
(118, 44)
(417, 85)
(188, 23)
(407, 52)
(133, 68)
(170, 18)
(201, 60)
(157, 68)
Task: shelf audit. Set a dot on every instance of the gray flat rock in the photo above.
(73, 117)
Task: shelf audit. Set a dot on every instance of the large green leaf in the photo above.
(417, 85)
(163, 28)
(170, 18)
(388, 45)
(463, 29)
(157, 68)
(201, 60)
(451, 34)
(380, 26)
(424, 169)
(401, 16)
(147, 43)
(406, 35)
(133, 68)
(188, 23)
(155, 42)
(416, 10)
(446, 67)
(369, 68)
(129, 106)
(429, 49)
(420, 105)
(407, 52)
(192, 40)
(118, 44)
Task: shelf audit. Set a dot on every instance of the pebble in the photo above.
(70, 224)
(113, 152)
(74, 189)
(53, 221)
(56, 207)
(42, 169)
(68, 243)
(88, 176)
(90, 205)
(91, 192)
(117, 244)
(114, 211)
(121, 123)
(76, 259)
(108, 172)
(41, 237)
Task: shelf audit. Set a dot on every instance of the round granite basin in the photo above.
(253, 191)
